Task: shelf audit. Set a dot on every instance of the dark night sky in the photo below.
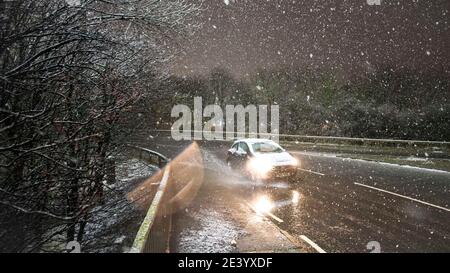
(347, 36)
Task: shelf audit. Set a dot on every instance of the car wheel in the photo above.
(229, 164)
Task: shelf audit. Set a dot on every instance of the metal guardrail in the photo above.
(177, 185)
(364, 141)
(154, 233)
(150, 156)
(344, 140)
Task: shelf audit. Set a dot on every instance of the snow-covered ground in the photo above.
(401, 166)
(403, 161)
(114, 223)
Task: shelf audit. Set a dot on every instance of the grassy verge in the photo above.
(423, 157)
(427, 163)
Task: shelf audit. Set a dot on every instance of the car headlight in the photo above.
(295, 162)
(260, 166)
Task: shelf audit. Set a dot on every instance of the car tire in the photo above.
(229, 164)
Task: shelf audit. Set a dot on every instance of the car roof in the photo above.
(253, 140)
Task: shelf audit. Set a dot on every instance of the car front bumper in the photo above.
(282, 171)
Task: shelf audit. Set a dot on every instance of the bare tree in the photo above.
(70, 72)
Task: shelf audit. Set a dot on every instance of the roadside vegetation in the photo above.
(70, 74)
(386, 103)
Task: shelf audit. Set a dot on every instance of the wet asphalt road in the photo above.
(341, 216)
(407, 210)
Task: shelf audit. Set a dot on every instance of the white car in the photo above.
(261, 159)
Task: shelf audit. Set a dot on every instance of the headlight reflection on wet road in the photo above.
(295, 197)
(263, 204)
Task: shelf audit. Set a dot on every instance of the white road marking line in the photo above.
(402, 196)
(265, 214)
(311, 243)
(275, 217)
(309, 171)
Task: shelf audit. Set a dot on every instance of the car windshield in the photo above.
(266, 147)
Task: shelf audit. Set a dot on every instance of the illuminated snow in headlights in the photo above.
(263, 204)
(295, 162)
(260, 166)
(295, 197)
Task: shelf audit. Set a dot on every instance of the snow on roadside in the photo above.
(212, 234)
(114, 223)
(413, 158)
(378, 162)
(132, 168)
(400, 166)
